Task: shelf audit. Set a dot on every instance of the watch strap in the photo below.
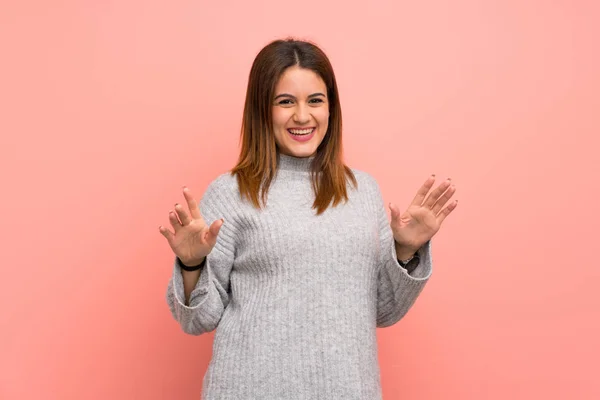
(192, 268)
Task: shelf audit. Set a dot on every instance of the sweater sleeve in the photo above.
(397, 289)
(210, 296)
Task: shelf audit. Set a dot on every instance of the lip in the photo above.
(304, 138)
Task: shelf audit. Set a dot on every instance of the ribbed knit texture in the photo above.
(295, 298)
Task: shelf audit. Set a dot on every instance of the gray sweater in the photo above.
(296, 298)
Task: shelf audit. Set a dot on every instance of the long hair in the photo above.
(258, 159)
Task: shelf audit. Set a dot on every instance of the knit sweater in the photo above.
(295, 298)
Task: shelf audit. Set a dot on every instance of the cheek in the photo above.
(323, 117)
(279, 117)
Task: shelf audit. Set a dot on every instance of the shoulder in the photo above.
(365, 180)
(367, 190)
(220, 198)
(224, 182)
(223, 188)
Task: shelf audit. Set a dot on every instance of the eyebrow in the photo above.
(293, 97)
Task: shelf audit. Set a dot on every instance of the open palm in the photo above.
(191, 239)
(423, 218)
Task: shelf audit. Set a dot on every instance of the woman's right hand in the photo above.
(192, 239)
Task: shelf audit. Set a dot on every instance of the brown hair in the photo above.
(258, 158)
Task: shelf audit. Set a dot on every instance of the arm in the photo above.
(190, 278)
(397, 289)
(197, 299)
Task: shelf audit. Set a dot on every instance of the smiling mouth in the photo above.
(301, 132)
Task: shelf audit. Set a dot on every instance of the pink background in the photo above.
(107, 108)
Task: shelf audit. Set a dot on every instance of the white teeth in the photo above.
(300, 131)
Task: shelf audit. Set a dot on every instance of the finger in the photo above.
(446, 211)
(435, 194)
(192, 203)
(166, 233)
(174, 221)
(441, 202)
(183, 216)
(422, 192)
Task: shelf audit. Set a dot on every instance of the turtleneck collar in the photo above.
(290, 163)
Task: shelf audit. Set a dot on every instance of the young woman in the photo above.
(290, 256)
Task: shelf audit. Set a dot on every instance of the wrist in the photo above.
(190, 266)
(404, 253)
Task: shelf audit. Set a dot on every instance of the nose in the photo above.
(301, 116)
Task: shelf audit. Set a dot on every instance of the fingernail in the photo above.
(222, 219)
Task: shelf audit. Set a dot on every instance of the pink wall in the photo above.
(108, 108)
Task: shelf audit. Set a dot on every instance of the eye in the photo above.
(285, 102)
(317, 100)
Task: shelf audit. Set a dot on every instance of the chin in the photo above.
(296, 152)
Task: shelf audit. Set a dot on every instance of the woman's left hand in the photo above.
(423, 218)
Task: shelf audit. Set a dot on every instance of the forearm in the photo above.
(198, 303)
(190, 279)
(398, 287)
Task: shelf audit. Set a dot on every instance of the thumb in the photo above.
(394, 211)
(213, 231)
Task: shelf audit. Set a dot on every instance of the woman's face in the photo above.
(300, 112)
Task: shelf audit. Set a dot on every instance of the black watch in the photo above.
(411, 263)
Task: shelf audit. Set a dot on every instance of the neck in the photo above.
(291, 163)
